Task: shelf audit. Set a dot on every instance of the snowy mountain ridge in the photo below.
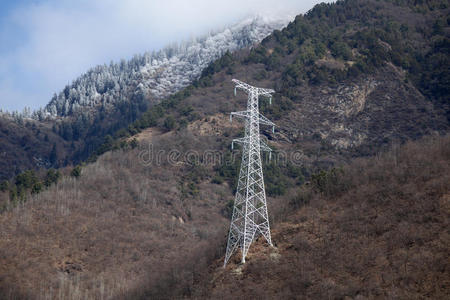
(155, 74)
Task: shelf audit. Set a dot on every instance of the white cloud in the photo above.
(59, 40)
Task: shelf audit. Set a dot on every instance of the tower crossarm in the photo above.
(265, 147)
(243, 140)
(242, 85)
(245, 114)
(263, 120)
(265, 92)
(242, 114)
(247, 88)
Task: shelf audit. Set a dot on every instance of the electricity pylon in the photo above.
(250, 216)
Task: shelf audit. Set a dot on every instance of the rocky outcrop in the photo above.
(362, 114)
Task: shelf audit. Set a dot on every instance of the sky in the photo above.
(46, 44)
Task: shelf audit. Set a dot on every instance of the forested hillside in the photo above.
(350, 78)
(109, 97)
(154, 74)
(353, 213)
(29, 144)
(377, 228)
(374, 228)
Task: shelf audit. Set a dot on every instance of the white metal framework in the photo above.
(250, 217)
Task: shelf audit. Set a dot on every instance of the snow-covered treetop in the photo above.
(155, 74)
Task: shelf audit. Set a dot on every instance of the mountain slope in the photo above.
(108, 98)
(378, 228)
(123, 222)
(150, 222)
(29, 144)
(155, 75)
(341, 83)
(375, 228)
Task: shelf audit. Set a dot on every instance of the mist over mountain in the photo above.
(157, 74)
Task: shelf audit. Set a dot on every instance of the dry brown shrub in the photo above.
(382, 234)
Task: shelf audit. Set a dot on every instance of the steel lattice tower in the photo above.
(250, 216)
